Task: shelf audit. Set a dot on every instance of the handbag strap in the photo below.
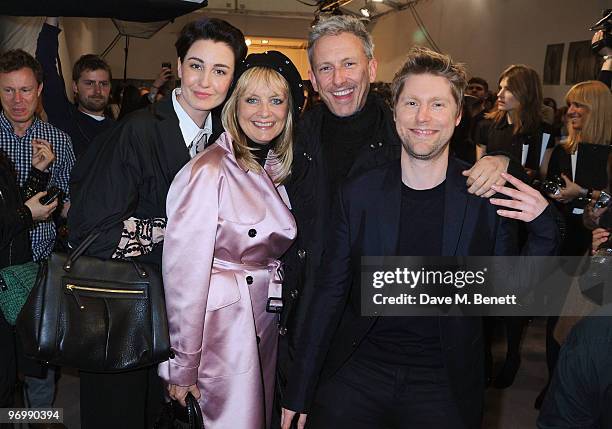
(70, 261)
(80, 250)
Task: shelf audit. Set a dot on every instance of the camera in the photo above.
(604, 200)
(605, 24)
(52, 194)
(552, 186)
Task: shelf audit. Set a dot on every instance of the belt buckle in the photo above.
(274, 305)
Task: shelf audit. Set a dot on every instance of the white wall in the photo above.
(488, 35)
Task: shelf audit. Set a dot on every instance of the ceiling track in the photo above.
(331, 5)
(259, 13)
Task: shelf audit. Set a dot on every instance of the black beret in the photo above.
(283, 65)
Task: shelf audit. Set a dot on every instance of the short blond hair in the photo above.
(284, 142)
(597, 128)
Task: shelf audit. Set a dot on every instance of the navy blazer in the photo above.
(366, 222)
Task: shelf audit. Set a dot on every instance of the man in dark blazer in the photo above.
(353, 371)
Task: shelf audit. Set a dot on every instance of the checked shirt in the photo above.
(19, 150)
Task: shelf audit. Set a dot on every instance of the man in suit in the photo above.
(353, 371)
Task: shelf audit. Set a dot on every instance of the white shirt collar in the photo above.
(96, 117)
(189, 128)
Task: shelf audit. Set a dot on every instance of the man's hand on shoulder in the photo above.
(485, 173)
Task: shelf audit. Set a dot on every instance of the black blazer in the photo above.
(365, 222)
(127, 172)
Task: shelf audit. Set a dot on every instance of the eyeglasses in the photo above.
(92, 83)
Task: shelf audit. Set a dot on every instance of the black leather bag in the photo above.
(175, 416)
(95, 315)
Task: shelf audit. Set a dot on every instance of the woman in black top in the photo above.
(582, 162)
(120, 187)
(16, 219)
(515, 125)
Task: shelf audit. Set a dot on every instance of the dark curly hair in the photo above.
(16, 59)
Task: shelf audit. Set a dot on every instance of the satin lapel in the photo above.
(175, 151)
(455, 208)
(389, 204)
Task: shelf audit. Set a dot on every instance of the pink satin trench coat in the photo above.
(226, 229)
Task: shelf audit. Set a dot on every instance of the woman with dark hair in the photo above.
(16, 219)
(515, 127)
(120, 187)
(223, 326)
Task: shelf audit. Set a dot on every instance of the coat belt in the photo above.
(275, 268)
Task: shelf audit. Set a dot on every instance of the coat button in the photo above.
(354, 344)
(282, 330)
(301, 253)
(252, 232)
(258, 339)
(294, 293)
(249, 280)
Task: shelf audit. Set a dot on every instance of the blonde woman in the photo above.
(228, 224)
(582, 161)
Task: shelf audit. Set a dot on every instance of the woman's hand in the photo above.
(179, 393)
(528, 202)
(569, 193)
(39, 211)
(600, 236)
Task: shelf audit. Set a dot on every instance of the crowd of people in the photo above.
(244, 189)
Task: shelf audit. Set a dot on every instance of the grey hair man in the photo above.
(351, 132)
(354, 371)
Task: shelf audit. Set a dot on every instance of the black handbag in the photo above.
(95, 314)
(175, 416)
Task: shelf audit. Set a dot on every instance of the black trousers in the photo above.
(127, 400)
(366, 394)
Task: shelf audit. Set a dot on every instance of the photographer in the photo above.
(605, 75)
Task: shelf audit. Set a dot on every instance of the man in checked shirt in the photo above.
(30, 142)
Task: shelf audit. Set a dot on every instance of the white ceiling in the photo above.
(295, 8)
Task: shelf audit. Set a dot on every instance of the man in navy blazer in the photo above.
(354, 371)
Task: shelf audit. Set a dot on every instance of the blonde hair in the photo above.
(524, 83)
(283, 149)
(597, 127)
